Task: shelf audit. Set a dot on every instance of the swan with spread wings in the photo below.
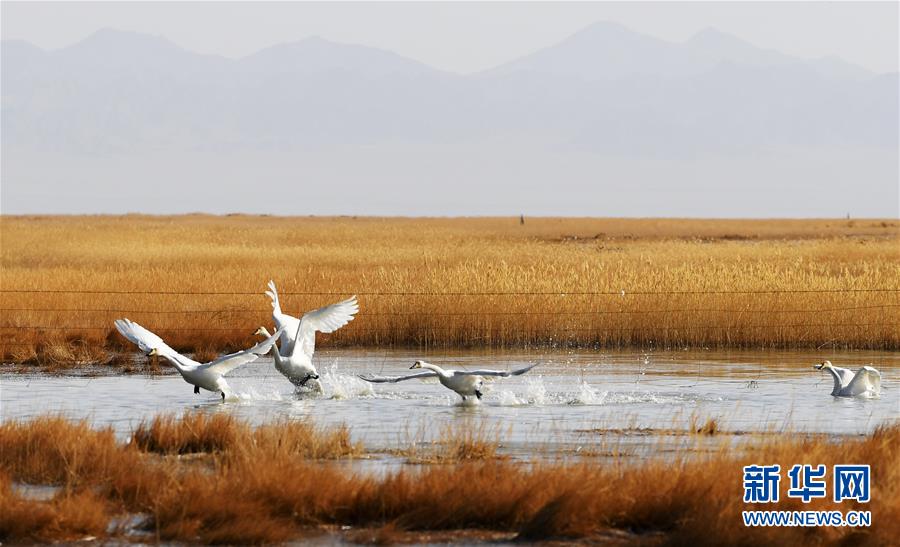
(866, 382)
(209, 376)
(297, 342)
(466, 383)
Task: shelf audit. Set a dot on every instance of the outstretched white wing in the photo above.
(503, 373)
(227, 363)
(147, 341)
(327, 319)
(845, 374)
(866, 380)
(394, 379)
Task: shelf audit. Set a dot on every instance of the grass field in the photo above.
(449, 282)
(217, 480)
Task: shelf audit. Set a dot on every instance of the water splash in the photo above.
(344, 386)
(587, 395)
(509, 398)
(536, 391)
(252, 393)
(468, 402)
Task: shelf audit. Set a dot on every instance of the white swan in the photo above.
(209, 376)
(297, 342)
(464, 382)
(866, 382)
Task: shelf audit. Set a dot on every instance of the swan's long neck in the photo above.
(279, 362)
(435, 368)
(174, 360)
(837, 380)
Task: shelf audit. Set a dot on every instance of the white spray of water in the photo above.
(344, 386)
(536, 392)
(587, 395)
(468, 402)
(508, 398)
(254, 394)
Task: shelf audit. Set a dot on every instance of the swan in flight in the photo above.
(866, 382)
(464, 382)
(209, 376)
(297, 341)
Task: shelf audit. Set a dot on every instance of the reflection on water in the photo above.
(573, 403)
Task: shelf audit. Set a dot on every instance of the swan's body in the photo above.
(208, 376)
(865, 383)
(297, 342)
(466, 383)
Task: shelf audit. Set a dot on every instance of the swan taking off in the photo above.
(464, 382)
(298, 336)
(865, 383)
(209, 376)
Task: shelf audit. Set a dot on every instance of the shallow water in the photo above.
(573, 403)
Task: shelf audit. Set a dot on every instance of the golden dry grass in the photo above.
(68, 516)
(53, 450)
(277, 495)
(416, 279)
(204, 433)
(464, 442)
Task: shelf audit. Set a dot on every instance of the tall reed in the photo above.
(449, 282)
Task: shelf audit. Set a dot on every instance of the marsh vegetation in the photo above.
(282, 482)
(486, 282)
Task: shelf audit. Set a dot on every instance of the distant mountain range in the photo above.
(605, 91)
(609, 51)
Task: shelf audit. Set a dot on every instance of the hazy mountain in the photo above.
(316, 55)
(606, 101)
(609, 51)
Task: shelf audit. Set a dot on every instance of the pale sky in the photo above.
(193, 134)
(467, 37)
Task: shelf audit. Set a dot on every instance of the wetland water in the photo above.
(625, 403)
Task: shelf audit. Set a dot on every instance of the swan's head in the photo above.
(262, 331)
(152, 352)
(823, 364)
(417, 364)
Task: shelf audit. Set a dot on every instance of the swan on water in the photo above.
(464, 382)
(866, 382)
(209, 376)
(297, 342)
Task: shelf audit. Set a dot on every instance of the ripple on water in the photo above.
(548, 408)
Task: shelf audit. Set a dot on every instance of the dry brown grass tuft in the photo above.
(53, 355)
(709, 427)
(265, 493)
(53, 450)
(192, 433)
(415, 276)
(460, 443)
(68, 516)
(210, 433)
(302, 439)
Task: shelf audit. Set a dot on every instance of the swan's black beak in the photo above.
(314, 376)
(819, 366)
